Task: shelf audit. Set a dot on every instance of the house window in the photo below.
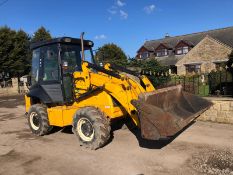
(193, 68)
(161, 53)
(144, 55)
(182, 50)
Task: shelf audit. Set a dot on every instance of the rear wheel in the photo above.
(38, 120)
(91, 127)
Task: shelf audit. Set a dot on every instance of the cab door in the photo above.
(71, 62)
(50, 79)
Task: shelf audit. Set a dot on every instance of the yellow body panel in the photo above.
(63, 115)
(55, 116)
(102, 101)
(123, 90)
(27, 103)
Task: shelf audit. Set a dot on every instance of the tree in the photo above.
(6, 47)
(157, 73)
(20, 56)
(41, 34)
(153, 66)
(111, 53)
(15, 56)
(14, 52)
(133, 62)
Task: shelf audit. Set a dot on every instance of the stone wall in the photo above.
(205, 53)
(221, 111)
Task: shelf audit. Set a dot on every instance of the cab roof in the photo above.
(65, 40)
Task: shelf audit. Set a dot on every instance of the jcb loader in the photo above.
(68, 88)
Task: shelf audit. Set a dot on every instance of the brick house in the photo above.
(192, 53)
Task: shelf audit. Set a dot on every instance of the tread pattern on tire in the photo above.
(101, 126)
(45, 128)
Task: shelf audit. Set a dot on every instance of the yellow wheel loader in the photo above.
(69, 88)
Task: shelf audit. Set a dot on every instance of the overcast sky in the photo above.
(128, 23)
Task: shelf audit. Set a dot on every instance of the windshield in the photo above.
(71, 57)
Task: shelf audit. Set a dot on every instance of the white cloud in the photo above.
(100, 37)
(123, 14)
(149, 9)
(120, 3)
(117, 10)
(113, 10)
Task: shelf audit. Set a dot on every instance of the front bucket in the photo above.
(166, 111)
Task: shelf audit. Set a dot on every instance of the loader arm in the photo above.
(121, 87)
(144, 80)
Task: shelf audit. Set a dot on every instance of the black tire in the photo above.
(38, 120)
(94, 133)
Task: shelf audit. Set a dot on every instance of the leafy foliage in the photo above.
(21, 54)
(41, 34)
(132, 62)
(158, 74)
(14, 52)
(154, 66)
(15, 55)
(6, 47)
(111, 53)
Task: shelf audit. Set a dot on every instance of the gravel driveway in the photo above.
(202, 148)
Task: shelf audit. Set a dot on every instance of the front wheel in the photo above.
(91, 127)
(38, 120)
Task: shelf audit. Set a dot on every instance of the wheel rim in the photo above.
(34, 121)
(85, 129)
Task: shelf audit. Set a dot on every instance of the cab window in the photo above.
(88, 55)
(50, 63)
(35, 66)
(71, 58)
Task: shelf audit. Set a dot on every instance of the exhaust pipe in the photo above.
(82, 45)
